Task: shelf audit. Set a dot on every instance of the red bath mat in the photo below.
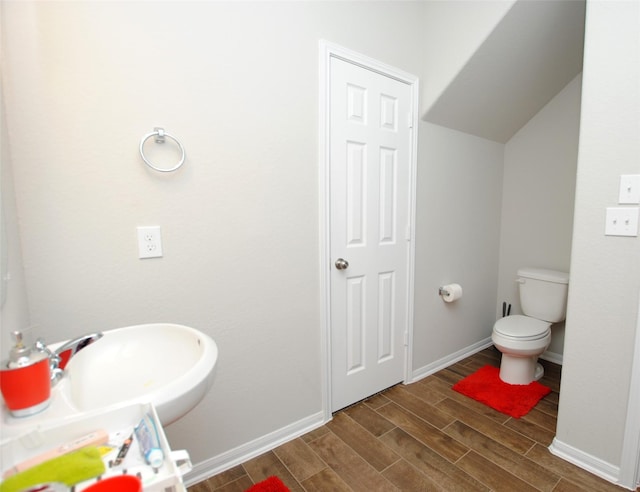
(485, 386)
(271, 484)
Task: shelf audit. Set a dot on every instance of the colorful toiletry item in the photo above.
(92, 439)
(69, 469)
(147, 436)
(123, 451)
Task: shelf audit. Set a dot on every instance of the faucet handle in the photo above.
(41, 346)
(54, 360)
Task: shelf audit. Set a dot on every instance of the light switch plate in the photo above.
(629, 189)
(622, 221)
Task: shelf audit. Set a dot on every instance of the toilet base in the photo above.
(520, 370)
(539, 372)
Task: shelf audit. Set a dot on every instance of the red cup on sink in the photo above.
(26, 390)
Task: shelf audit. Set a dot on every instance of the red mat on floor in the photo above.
(271, 484)
(515, 400)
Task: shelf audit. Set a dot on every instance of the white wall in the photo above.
(537, 198)
(531, 54)
(237, 82)
(14, 309)
(457, 241)
(452, 33)
(605, 270)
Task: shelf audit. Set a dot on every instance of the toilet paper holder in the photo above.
(450, 292)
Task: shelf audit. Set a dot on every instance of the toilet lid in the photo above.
(522, 327)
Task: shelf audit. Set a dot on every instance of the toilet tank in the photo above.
(543, 293)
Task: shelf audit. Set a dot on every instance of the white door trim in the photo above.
(327, 52)
(630, 462)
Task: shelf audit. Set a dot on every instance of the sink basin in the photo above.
(172, 366)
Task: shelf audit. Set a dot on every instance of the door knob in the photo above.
(342, 264)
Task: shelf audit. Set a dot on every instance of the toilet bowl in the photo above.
(521, 340)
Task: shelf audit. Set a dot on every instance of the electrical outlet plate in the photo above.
(621, 221)
(149, 242)
(629, 189)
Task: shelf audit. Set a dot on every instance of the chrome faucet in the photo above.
(60, 358)
(66, 351)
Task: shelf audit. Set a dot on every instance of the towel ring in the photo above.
(160, 135)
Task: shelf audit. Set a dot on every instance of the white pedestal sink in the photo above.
(171, 366)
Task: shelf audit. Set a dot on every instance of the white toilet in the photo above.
(521, 339)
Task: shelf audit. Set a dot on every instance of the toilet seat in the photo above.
(522, 328)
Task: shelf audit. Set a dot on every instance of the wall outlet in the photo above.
(149, 242)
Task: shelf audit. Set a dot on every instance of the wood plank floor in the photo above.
(421, 437)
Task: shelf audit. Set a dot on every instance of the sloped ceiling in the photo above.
(530, 56)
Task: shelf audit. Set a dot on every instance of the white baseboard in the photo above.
(552, 357)
(229, 459)
(436, 366)
(586, 461)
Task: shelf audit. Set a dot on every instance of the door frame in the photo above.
(327, 52)
(630, 460)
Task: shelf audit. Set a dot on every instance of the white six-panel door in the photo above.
(370, 216)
